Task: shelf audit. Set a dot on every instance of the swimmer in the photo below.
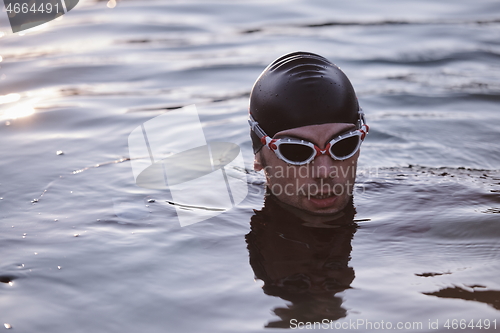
(306, 129)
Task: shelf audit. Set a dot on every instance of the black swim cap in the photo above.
(301, 89)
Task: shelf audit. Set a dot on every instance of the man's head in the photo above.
(306, 130)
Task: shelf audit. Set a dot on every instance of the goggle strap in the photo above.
(361, 119)
(264, 138)
(256, 128)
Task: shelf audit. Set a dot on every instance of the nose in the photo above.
(323, 167)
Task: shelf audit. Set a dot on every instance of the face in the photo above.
(322, 187)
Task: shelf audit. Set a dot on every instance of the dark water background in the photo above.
(427, 74)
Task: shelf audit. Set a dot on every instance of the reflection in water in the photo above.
(490, 297)
(9, 98)
(18, 111)
(304, 264)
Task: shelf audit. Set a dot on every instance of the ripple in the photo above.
(402, 22)
(7, 278)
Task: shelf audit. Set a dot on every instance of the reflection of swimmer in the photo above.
(301, 262)
(304, 110)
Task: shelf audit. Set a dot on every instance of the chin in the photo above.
(324, 212)
(322, 208)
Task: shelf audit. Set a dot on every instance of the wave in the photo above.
(401, 22)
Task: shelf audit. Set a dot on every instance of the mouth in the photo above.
(322, 200)
(322, 196)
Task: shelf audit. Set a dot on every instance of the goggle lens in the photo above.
(345, 147)
(295, 152)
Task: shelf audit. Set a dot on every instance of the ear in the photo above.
(257, 162)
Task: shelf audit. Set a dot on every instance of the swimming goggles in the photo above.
(299, 152)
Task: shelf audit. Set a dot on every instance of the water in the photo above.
(426, 247)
